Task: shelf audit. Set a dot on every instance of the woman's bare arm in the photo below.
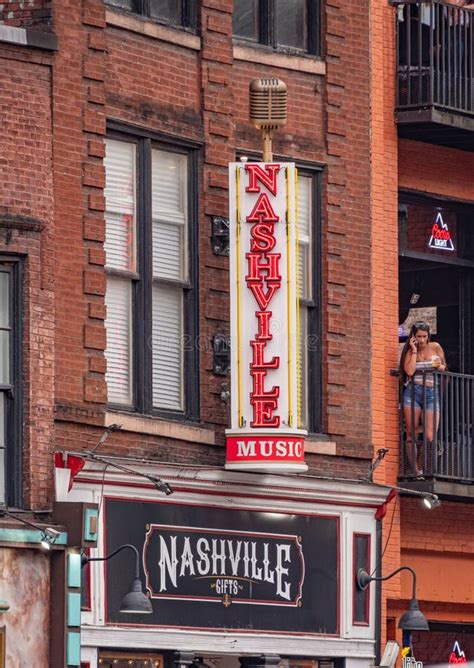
(409, 363)
(440, 352)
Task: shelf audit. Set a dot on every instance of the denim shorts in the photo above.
(421, 397)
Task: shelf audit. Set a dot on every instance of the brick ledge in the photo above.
(160, 427)
(28, 37)
(282, 60)
(183, 432)
(317, 447)
(149, 29)
(21, 222)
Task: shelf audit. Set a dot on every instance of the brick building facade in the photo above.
(83, 80)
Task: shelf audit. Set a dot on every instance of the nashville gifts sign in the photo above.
(264, 434)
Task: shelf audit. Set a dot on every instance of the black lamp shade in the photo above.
(135, 602)
(413, 619)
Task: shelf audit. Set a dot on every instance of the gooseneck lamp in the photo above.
(411, 620)
(135, 602)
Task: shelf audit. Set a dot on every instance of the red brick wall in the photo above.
(218, 125)
(441, 552)
(26, 13)
(166, 98)
(347, 231)
(453, 521)
(203, 95)
(436, 170)
(434, 543)
(26, 228)
(343, 121)
(433, 647)
(79, 128)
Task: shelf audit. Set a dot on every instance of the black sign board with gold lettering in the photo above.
(209, 567)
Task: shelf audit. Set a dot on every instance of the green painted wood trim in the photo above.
(27, 536)
(73, 648)
(74, 570)
(73, 609)
(89, 535)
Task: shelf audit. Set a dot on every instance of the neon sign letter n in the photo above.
(267, 177)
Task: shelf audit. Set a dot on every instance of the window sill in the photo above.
(158, 427)
(146, 27)
(28, 37)
(284, 61)
(318, 444)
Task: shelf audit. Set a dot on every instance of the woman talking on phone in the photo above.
(419, 358)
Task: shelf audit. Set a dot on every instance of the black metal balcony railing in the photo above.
(435, 56)
(442, 447)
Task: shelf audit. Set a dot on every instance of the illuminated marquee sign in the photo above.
(440, 235)
(264, 433)
(457, 655)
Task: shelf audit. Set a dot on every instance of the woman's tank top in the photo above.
(423, 365)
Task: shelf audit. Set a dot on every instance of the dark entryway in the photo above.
(436, 283)
(445, 644)
(436, 286)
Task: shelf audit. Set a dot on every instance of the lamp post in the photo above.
(135, 602)
(411, 620)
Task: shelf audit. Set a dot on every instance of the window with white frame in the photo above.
(308, 272)
(151, 297)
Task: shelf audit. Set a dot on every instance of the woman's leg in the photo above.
(412, 416)
(431, 420)
(431, 424)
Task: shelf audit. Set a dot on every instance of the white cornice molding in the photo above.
(302, 488)
(227, 642)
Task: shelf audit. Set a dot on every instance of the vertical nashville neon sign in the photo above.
(264, 433)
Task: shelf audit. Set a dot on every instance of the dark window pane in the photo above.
(245, 19)
(291, 24)
(2, 447)
(124, 4)
(361, 560)
(85, 586)
(4, 300)
(170, 10)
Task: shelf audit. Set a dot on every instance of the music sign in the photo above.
(264, 433)
(202, 567)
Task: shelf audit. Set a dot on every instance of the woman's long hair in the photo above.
(414, 328)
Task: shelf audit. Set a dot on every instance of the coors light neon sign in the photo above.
(264, 432)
